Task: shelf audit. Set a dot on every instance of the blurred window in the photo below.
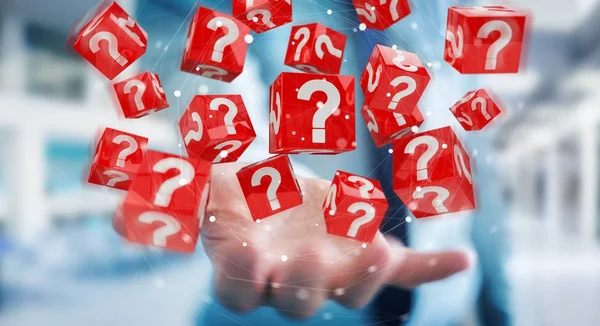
(67, 166)
(53, 69)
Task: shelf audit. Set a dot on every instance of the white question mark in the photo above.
(116, 177)
(438, 201)
(126, 25)
(274, 118)
(232, 34)
(372, 125)
(505, 37)
(195, 134)
(326, 40)
(456, 44)
(465, 119)
(330, 199)
(399, 62)
(166, 189)
(393, 9)
(368, 217)
(303, 32)
(266, 17)
(432, 148)
(310, 68)
(160, 235)
(113, 46)
(233, 146)
(372, 84)
(369, 14)
(399, 119)
(460, 164)
(140, 90)
(211, 71)
(156, 84)
(482, 102)
(133, 146)
(365, 187)
(326, 110)
(229, 116)
(273, 186)
(411, 86)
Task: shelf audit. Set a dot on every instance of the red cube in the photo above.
(315, 48)
(475, 110)
(263, 15)
(140, 95)
(386, 125)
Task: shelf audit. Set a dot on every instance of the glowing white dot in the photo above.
(408, 219)
(394, 46)
(362, 26)
(391, 150)
(293, 133)
(182, 182)
(212, 218)
(255, 19)
(284, 258)
(475, 152)
(275, 285)
(388, 94)
(302, 294)
(339, 291)
(320, 104)
(329, 11)
(177, 93)
(444, 146)
(210, 116)
(364, 245)
(297, 89)
(219, 23)
(249, 38)
(372, 269)
(331, 212)
(327, 316)
(428, 113)
(302, 138)
(414, 129)
(414, 26)
(223, 154)
(419, 189)
(355, 30)
(186, 238)
(158, 44)
(166, 48)
(245, 244)
(317, 224)
(347, 117)
(432, 262)
(429, 64)
(197, 68)
(203, 89)
(257, 221)
(178, 145)
(372, 8)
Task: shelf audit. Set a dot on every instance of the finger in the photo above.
(365, 274)
(415, 268)
(299, 288)
(241, 275)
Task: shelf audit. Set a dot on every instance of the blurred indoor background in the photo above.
(62, 264)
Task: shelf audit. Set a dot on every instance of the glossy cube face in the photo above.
(432, 173)
(216, 46)
(117, 159)
(394, 80)
(263, 15)
(354, 207)
(111, 41)
(217, 128)
(386, 125)
(140, 95)
(312, 114)
(380, 15)
(485, 39)
(314, 48)
(165, 204)
(270, 187)
(475, 110)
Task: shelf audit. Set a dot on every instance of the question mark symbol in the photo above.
(195, 134)
(229, 116)
(232, 145)
(133, 146)
(326, 110)
(438, 201)
(432, 147)
(273, 186)
(303, 32)
(393, 9)
(326, 40)
(232, 34)
(505, 37)
(160, 235)
(372, 84)
(308, 68)
(140, 90)
(369, 14)
(116, 177)
(480, 101)
(166, 189)
(456, 44)
(411, 86)
(157, 88)
(399, 62)
(460, 164)
(113, 46)
(366, 218)
(330, 199)
(372, 125)
(274, 118)
(365, 187)
(266, 17)
(211, 71)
